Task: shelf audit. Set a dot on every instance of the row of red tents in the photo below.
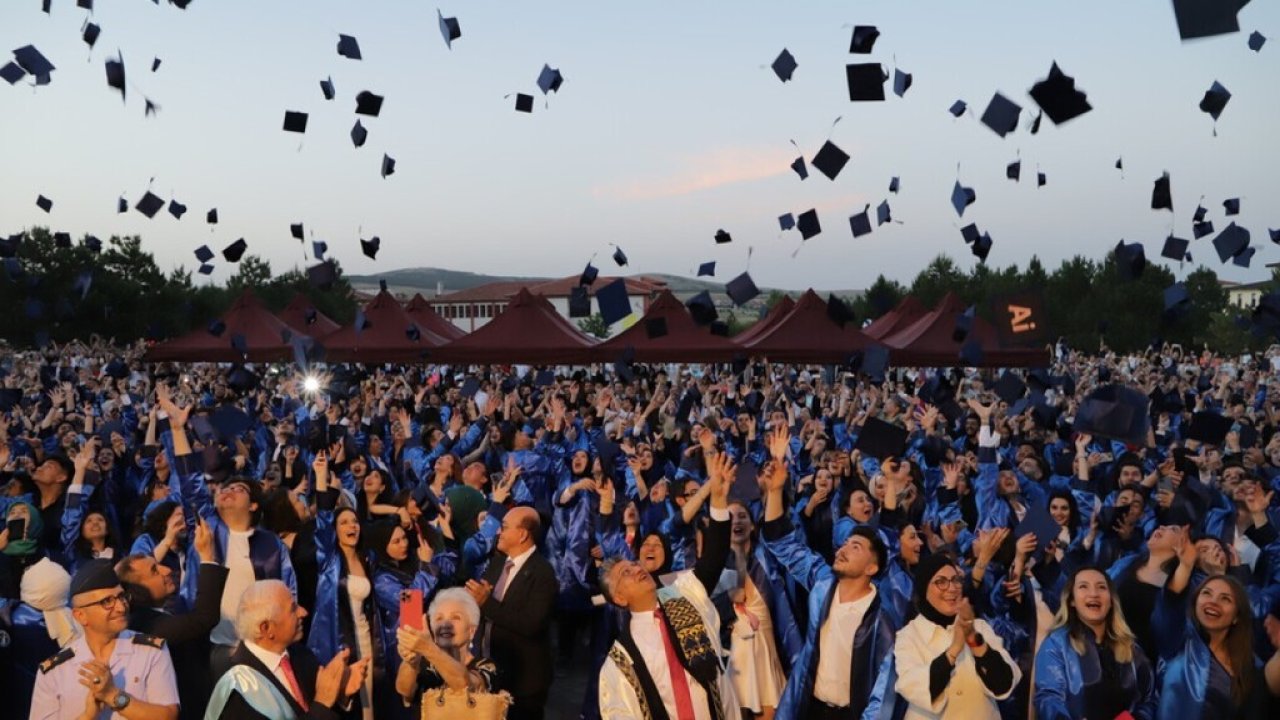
(530, 331)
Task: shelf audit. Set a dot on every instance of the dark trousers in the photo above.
(527, 710)
(819, 710)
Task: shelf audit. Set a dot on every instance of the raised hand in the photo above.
(779, 443)
(721, 471)
(988, 543)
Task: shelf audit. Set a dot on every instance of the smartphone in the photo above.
(17, 529)
(1165, 484)
(1107, 457)
(411, 609)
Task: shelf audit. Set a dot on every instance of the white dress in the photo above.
(358, 590)
(757, 672)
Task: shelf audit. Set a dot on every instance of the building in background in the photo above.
(471, 308)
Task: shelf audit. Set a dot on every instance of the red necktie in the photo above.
(679, 683)
(287, 667)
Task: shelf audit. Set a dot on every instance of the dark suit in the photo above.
(305, 667)
(188, 637)
(520, 632)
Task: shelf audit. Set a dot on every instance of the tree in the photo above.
(594, 326)
(254, 272)
(883, 296)
(936, 280)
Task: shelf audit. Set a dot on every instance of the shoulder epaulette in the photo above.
(62, 656)
(149, 640)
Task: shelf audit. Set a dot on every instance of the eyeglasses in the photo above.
(234, 488)
(107, 603)
(941, 583)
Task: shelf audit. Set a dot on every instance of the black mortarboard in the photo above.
(368, 104)
(962, 197)
(450, 30)
(702, 308)
(881, 440)
(893, 184)
(866, 81)
(319, 248)
(12, 72)
(1244, 257)
(1231, 242)
(413, 333)
(1275, 235)
(295, 121)
(44, 203)
(326, 87)
(786, 221)
(388, 165)
(358, 134)
(808, 224)
(707, 269)
(970, 233)
(211, 217)
(1216, 97)
(958, 108)
(964, 324)
(177, 209)
(619, 257)
(240, 344)
(90, 34)
(875, 361)
(830, 160)
(1001, 115)
(149, 205)
(93, 575)
(723, 237)
(1013, 170)
(205, 269)
(234, 251)
(1162, 194)
(1035, 124)
(204, 254)
(524, 103)
(1115, 412)
(982, 247)
(901, 82)
(839, 311)
(1176, 298)
(784, 65)
(1010, 387)
(155, 64)
(801, 169)
(613, 302)
(1204, 18)
(34, 63)
(296, 230)
(62, 239)
(741, 289)
(470, 386)
(1232, 206)
(883, 213)
(115, 74)
(216, 328)
(1199, 214)
(589, 275)
(549, 79)
(371, 247)
(1131, 260)
(860, 223)
(1175, 248)
(864, 38)
(93, 243)
(579, 302)
(86, 4)
(655, 327)
(1058, 97)
(1041, 179)
(1201, 229)
(348, 47)
(1256, 41)
(1209, 427)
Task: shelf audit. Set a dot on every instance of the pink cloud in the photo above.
(713, 169)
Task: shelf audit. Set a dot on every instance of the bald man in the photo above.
(516, 596)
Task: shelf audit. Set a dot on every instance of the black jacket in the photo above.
(305, 667)
(520, 636)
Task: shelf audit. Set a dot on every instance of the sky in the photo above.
(668, 127)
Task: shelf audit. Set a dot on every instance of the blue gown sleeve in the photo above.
(788, 547)
(1049, 696)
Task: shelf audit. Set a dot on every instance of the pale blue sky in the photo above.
(669, 126)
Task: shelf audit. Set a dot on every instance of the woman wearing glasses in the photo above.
(949, 663)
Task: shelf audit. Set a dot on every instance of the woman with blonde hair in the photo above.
(1091, 666)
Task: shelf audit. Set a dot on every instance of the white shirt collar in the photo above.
(518, 561)
(270, 659)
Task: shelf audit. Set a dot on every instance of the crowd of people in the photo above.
(729, 541)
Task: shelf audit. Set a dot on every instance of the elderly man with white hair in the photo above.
(272, 674)
(439, 654)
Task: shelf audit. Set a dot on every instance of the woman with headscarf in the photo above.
(950, 664)
(19, 553)
(401, 563)
(36, 627)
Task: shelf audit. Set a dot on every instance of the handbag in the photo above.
(449, 704)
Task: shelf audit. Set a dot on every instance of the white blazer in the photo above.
(966, 697)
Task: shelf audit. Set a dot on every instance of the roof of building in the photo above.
(504, 290)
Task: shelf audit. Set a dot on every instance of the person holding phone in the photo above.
(439, 655)
(401, 564)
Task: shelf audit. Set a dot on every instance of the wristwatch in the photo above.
(121, 701)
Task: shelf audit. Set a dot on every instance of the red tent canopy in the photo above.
(685, 341)
(529, 330)
(808, 335)
(263, 334)
(295, 315)
(386, 339)
(906, 312)
(928, 342)
(428, 319)
(776, 313)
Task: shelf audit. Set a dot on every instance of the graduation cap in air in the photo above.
(964, 324)
(723, 237)
(1013, 170)
(1058, 97)
(589, 275)
(1231, 242)
(296, 230)
(1161, 194)
(1201, 229)
(93, 243)
(549, 79)
(808, 224)
(982, 247)
(368, 103)
(1256, 41)
(233, 252)
(44, 203)
(619, 257)
(1244, 257)
(881, 440)
(371, 247)
(613, 301)
(784, 65)
(388, 165)
(786, 221)
(742, 289)
(216, 328)
(860, 223)
(1275, 235)
(204, 254)
(864, 38)
(1205, 18)
(62, 239)
(12, 72)
(801, 169)
(958, 108)
(90, 34)
(875, 361)
(115, 74)
(1175, 248)
(1115, 412)
(866, 82)
(1232, 206)
(326, 87)
(970, 233)
(702, 308)
(707, 269)
(655, 327)
(1177, 300)
(1035, 124)
(37, 65)
(348, 47)
(901, 82)
(579, 302)
(319, 248)
(830, 160)
(211, 217)
(839, 311)
(177, 209)
(524, 103)
(893, 184)
(1215, 99)
(1131, 260)
(883, 213)
(149, 205)
(1010, 388)
(450, 30)
(295, 121)
(1209, 427)
(1041, 179)
(205, 269)
(1001, 115)
(962, 197)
